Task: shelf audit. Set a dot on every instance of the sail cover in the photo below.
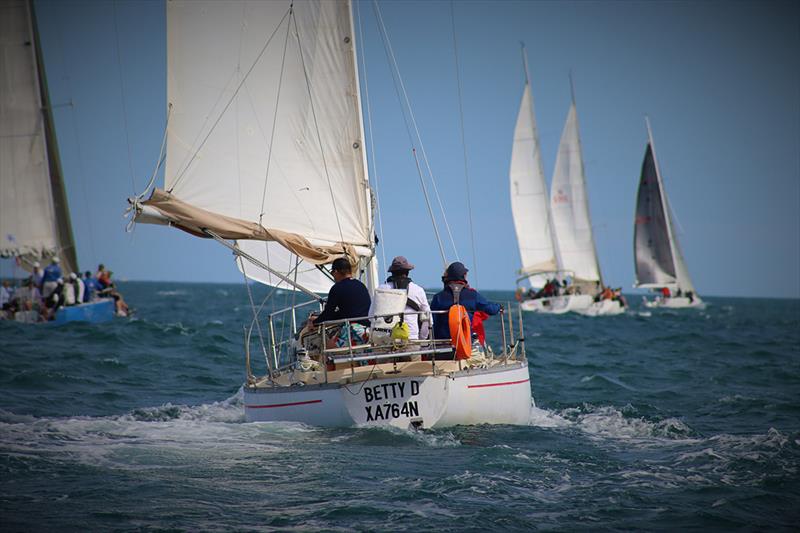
(569, 206)
(655, 266)
(265, 125)
(34, 221)
(529, 202)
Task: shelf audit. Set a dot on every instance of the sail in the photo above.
(529, 202)
(684, 281)
(264, 125)
(569, 206)
(655, 266)
(34, 219)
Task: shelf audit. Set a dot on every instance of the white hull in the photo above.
(557, 305)
(678, 302)
(497, 395)
(603, 308)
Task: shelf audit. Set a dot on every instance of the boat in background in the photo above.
(34, 216)
(657, 253)
(530, 208)
(569, 207)
(266, 153)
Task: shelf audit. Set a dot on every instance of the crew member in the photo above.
(456, 278)
(417, 302)
(348, 298)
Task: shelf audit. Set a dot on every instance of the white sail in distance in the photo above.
(34, 218)
(265, 124)
(569, 206)
(529, 199)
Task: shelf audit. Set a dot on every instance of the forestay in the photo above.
(569, 206)
(265, 124)
(529, 201)
(34, 221)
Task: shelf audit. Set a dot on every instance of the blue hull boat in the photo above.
(99, 311)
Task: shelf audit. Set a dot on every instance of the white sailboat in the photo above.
(530, 209)
(569, 207)
(34, 216)
(658, 257)
(265, 154)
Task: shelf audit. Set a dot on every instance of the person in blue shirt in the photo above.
(90, 287)
(52, 273)
(348, 298)
(472, 300)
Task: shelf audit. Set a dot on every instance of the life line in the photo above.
(460, 332)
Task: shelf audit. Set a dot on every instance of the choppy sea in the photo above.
(654, 419)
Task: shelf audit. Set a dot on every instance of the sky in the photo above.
(719, 81)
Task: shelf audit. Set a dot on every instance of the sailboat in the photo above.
(658, 257)
(542, 263)
(34, 215)
(265, 154)
(569, 207)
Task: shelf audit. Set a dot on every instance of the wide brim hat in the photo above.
(400, 263)
(456, 272)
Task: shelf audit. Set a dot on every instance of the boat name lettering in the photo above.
(391, 410)
(387, 391)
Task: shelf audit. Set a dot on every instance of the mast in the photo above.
(63, 225)
(538, 148)
(664, 206)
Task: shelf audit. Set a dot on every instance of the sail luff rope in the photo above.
(292, 18)
(275, 118)
(182, 173)
(430, 211)
(371, 139)
(122, 95)
(464, 146)
(393, 62)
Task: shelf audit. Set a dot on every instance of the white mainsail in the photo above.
(34, 220)
(529, 201)
(569, 206)
(265, 127)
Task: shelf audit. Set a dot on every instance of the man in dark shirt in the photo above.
(348, 298)
(471, 299)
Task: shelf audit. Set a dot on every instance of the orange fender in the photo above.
(460, 335)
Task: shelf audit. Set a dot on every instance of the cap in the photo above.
(36, 264)
(56, 259)
(456, 272)
(341, 264)
(72, 275)
(400, 263)
(60, 280)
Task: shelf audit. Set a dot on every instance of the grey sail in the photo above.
(34, 216)
(655, 265)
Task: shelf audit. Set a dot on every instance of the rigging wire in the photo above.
(464, 146)
(371, 139)
(182, 173)
(430, 211)
(122, 94)
(316, 123)
(399, 82)
(255, 315)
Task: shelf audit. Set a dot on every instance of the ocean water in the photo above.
(654, 419)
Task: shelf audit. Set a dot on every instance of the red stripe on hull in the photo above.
(498, 384)
(281, 404)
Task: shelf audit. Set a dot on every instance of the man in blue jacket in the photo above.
(472, 300)
(348, 298)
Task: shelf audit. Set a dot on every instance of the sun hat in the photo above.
(400, 263)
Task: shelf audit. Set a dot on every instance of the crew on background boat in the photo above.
(455, 277)
(80, 287)
(91, 287)
(37, 275)
(417, 302)
(52, 273)
(103, 276)
(347, 298)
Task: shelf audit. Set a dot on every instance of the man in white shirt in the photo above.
(417, 301)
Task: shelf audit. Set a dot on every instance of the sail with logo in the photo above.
(265, 154)
(569, 205)
(35, 224)
(658, 257)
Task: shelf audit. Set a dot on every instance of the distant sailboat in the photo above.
(34, 216)
(265, 154)
(569, 206)
(658, 257)
(542, 263)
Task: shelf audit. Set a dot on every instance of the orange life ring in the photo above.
(460, 334)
